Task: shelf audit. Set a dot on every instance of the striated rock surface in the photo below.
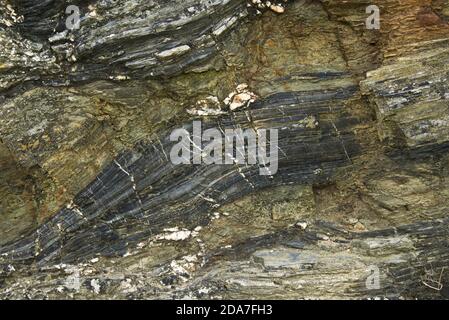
(92, 207)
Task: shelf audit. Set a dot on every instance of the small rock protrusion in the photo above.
(240, 97)
(303, 225)
(359, 226)
(275, 7)
(209, 106)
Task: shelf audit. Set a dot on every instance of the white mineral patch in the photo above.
(276, 7)
(11, 17)
(59, 36)
(126, 286)
(209, 106)
(173, 52)
(215, 215)
(95, 283)
(185, 265)
(302, 225)
(73, 281)
(309, 122)
(240, 97)
(178, 268)
(240, 100)
(119, 77)
(204, 291)
(175, 234)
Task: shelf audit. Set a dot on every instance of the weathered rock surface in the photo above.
(91, 206)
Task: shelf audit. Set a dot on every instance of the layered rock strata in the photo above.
(92, 207)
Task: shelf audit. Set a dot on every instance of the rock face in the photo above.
(92, 206)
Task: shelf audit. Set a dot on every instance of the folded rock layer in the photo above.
(92, 206)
